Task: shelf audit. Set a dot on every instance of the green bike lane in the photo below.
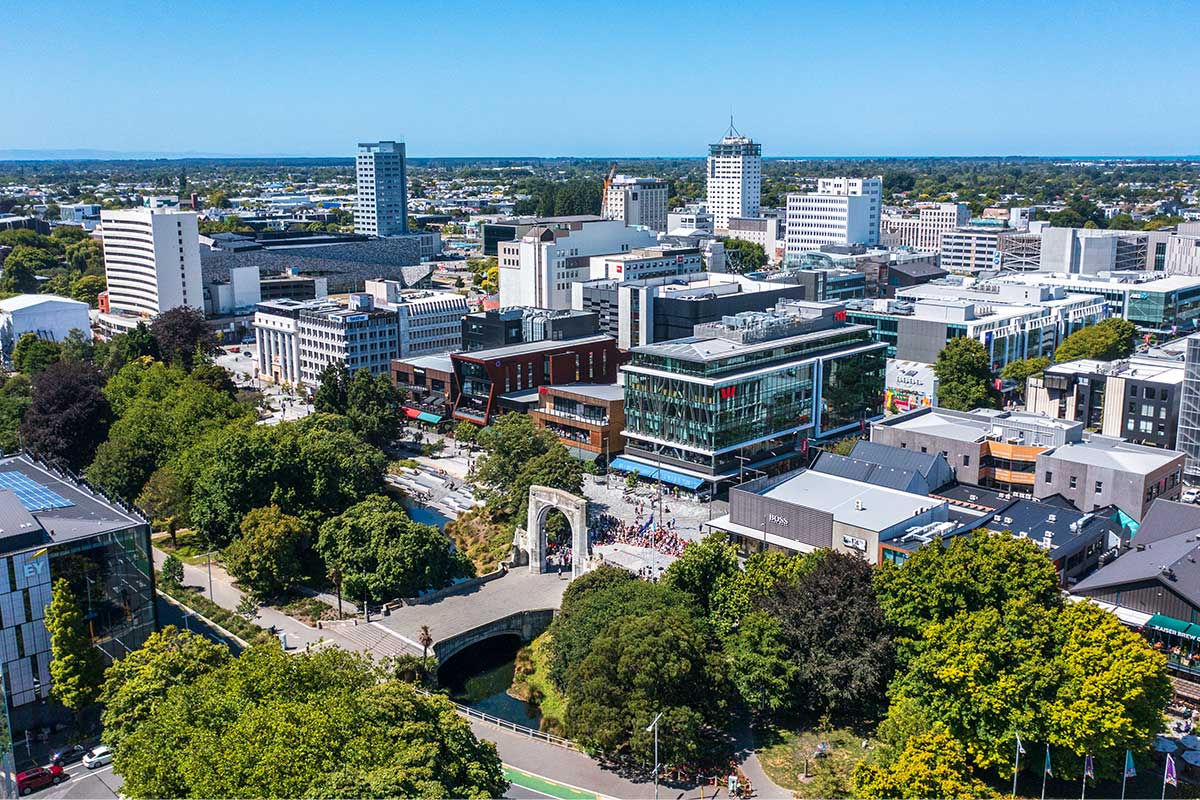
(546, 786)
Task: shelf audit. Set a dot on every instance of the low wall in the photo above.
(457, 588)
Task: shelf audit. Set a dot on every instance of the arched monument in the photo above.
(541, 500)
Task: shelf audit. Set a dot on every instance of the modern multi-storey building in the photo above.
(970, 249)
(538, 269)
(56, 527)
(733, 180)
(689, 219)
(660, 261)
(428, 322)
(151, 260)
(659, 309)
(1188, 437)
(491, 382)
(840, 211)
(587, 418)
(1010, 324)
(922, 230)
(381, 208)
(1163, 304)
(484, 330)
(1037, 456)
(748, 393)
(637, 201)
(297, 340)
(768, 231)
(1136, 399)
(1084, 251)
(1181, 255)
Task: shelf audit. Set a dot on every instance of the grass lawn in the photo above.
(781, 752)
(190, 548)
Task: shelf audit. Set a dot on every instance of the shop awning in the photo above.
(622, 464)
(411, 413)
(1177, 626)
(425, 416)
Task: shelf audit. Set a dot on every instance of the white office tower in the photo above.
(840, 211)
(637, 201)
(381, 208)
(538, 269)
(151, 260)
(734, 178)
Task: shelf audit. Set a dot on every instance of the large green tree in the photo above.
(743, 256)
(16, 395)
(326, 724)
(68, 416)
(511, 442)
(1106, 341)
(267, 558)
(373, 407)
(22, 266)
(932, 764)
(182, 335)
(739, 593)
(964, 374)
(701, 567)
(76, 666)
(33, 355)
(137, 683)
(382, 554)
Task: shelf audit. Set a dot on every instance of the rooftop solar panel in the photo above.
(33, 495)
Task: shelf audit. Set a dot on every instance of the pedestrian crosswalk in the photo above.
(373, 639)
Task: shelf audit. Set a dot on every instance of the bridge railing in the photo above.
(524, 730)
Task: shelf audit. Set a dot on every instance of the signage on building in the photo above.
(854, 543)
(778, 520)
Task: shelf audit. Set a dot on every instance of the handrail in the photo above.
(532, 733)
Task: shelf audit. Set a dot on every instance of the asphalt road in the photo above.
(85, 784)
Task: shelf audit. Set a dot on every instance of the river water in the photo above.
(480, 677)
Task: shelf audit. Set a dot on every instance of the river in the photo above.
(480, 677)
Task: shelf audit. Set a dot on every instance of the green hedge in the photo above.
(235, 623)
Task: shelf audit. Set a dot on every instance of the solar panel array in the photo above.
(33, 495)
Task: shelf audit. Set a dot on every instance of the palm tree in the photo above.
(426, 640)
(335, 575)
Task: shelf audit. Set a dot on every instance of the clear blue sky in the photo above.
(600, 78)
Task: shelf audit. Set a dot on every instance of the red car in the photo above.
(39, 778)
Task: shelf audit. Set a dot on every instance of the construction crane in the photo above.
(608, 180)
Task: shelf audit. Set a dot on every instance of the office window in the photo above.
(1149, 394)
(1099, 487)
(966, 461)
(1074, 482)
(1049, 476)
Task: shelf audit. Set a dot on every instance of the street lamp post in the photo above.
(654, 726)
(208, 556)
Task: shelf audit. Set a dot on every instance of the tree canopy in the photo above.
(267, 558)
(964, 375)
(1108, 340)
(69, 416)
(76, 667)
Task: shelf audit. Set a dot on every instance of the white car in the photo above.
(97, 757)
(1190, 496)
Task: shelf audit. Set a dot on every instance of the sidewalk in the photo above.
(226, 595)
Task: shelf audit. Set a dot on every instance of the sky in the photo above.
(607, 79)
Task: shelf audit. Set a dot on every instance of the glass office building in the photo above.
(53, 526)
(749, 392)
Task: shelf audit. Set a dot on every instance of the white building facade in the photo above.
(733, 179)
(922, 230)
(840, 211)
(429, 322)
(538, 269)
(151, 260)
(381, 207)
(637, 201)
(47, 316)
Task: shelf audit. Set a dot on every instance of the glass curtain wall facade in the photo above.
(1188, 436)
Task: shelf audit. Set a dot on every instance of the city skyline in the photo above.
(872, 80)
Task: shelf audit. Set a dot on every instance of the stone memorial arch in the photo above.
(541, 500)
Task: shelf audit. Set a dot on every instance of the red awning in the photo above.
(411, 413)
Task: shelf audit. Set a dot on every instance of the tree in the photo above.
(15, 398)
(1023, 369)
(69, 416)
(247, 607)
(373, 407)
(218, 198)
(333, 383)
(267, 558)
(76, 666)
(466, 432)
(22, 266)
(69, 234)
(383, 554)
(86, 257)
(172, 570)
(971, 573)
(78, 346)
(511, 442)
(32, 354)
(736, 595)
(964, 376)
(743, 256)
(555, 468)
(933, 764)
(181, 334)
(700, 568)
(760, 664)
(841, 643)
(642, 666)
(118, 351)
(136, 684)
(87, 289)
(330, 724)
(1108, 340)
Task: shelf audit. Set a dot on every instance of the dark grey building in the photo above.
(346, 265)
(484, 330)
(893, 467)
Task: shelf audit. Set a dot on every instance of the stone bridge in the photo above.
(526, 625)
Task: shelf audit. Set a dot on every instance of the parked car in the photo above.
(98, 756)
(68, 755)
(236, 349)
(39, 778)
(1190, 496)
(248, 340)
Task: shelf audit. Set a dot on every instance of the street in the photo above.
(86, 784)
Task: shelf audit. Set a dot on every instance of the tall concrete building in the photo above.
(381, 208)
(151, 260)
(1188, 435)
(734, 178)
(840, 211)
(1083, 251)
(538, 269)
(923, 230)
(637, 201)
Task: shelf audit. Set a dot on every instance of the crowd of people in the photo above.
(642, 532)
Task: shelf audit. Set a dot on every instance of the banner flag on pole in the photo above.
(1130, 772)
(1169, 776)
(1089, 769)
(1048, 771)
(1020, 747)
